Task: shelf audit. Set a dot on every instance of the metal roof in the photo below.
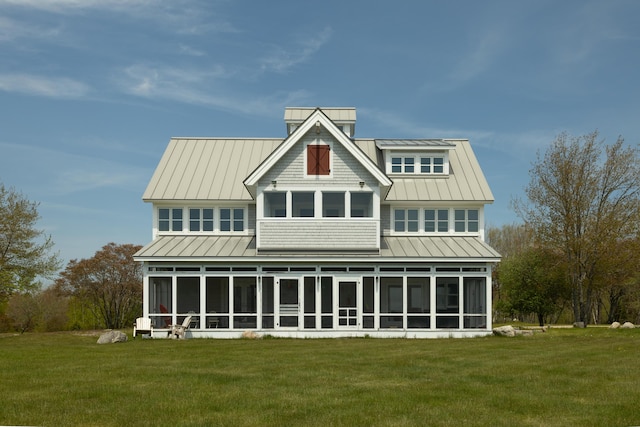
(207, 168)
(336, 114)
(243, 248)
(411, 143)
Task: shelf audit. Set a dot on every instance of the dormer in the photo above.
(344, 118)
(416, 157)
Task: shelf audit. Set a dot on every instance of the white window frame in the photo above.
(417, 157)
(451, 221)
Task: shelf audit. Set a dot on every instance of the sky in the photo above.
(91, 91)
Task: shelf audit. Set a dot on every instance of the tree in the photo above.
(533, 281)
(110, 281)
(25, 252)
(583, 200)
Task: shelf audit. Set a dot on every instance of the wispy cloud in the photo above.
(198, 86)
(284, 58)
(51, 87)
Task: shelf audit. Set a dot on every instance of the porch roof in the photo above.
(243, 248)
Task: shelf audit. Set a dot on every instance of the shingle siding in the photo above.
(318, 235)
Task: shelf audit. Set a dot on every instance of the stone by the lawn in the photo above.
(112, 337)
(505, 331)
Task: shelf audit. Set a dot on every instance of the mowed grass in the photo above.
(581, 377)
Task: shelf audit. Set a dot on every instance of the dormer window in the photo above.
(419, 163)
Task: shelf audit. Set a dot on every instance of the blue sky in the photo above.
(92, 90)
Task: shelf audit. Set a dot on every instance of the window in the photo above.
(466, 220)
(447, 302)
(232, 219)
(318, 159)
(170, 219)
(361, 205)
(436, 220)
(302, 205)
(406, 220)
(416, 163)
(201, 219)
(333, 205)
(402, 164)
(431, 165)
(275, 205)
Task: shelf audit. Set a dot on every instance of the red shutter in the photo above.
(318, 160)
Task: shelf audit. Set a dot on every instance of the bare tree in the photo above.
(111, 281)
(583, 200)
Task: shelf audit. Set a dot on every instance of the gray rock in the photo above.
(614, 325)
(112, 337)
(505, 331)
(524, 332)
(627, 325)
(579, 325)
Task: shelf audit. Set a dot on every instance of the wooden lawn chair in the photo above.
(142, 326)
(179, 331)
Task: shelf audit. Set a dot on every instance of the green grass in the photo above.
(585, 377)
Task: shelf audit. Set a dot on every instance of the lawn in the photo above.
(585, 377)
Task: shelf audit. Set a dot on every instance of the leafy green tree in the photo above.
(533, 281)
(25, 251)
(583, 200)
(110, 282)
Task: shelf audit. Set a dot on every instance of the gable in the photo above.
(317, 123)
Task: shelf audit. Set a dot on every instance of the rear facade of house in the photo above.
(319, 234)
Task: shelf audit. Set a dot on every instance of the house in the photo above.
(319, 234)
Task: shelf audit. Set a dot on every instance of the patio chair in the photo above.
(179, 331)
(142, 326)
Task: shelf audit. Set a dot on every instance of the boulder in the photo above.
(250, 335)
(579, 325)
(112, 337)
(505, 331)
(627, 325)
(524, 332)
(614, 325)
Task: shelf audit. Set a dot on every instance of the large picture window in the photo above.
(361, 205)
(333, 205)
(275, 205)
(302, 204)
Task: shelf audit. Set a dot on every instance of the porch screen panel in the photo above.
(245, 302)
(391, 302)
(188, 295)
(447, 302)
(217, 302)
(475, 302)
(368, 303)
(309, 302)
(160, 301)
(267, 303)
(418, 302)
(326, 302)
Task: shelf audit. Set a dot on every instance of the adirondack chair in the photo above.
(142, 326)
(179, 331)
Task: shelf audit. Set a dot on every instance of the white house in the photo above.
(319, 234)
